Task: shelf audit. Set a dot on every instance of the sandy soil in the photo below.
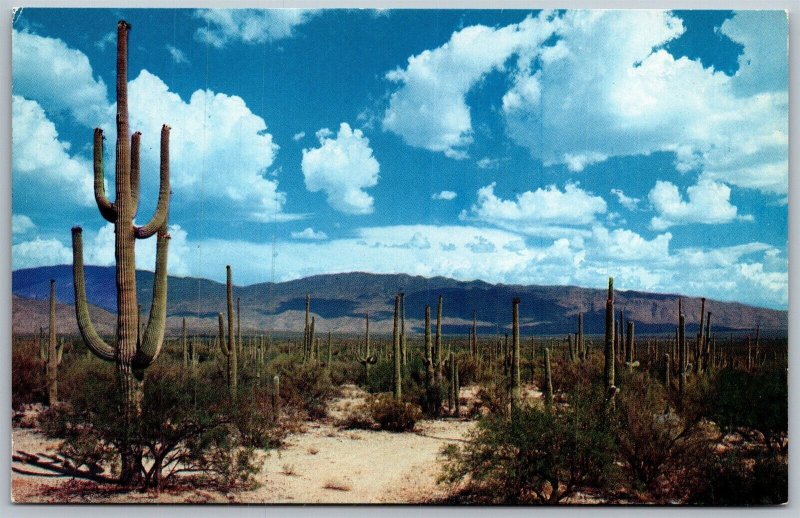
(321, 464)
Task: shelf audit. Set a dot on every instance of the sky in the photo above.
(516, 147)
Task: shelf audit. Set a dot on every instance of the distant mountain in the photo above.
(339, 302)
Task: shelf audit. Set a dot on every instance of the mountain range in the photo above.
(339, 302)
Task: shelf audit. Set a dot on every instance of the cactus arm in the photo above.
(136, 141)
(93, 341)
(107, 209)
(162, 207)
(153, 336)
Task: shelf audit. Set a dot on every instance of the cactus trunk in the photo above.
(437, 354)
(548, 376)
(398, 376)
(54, 350)
(609, 343)
(516, 393)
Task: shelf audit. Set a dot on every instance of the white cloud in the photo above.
(310, 233)
(709, 202)
(481, 245)
(21, 224)
(59, 78)
(342, 167)
(533, 210)
(626, 245)
(108, 39)
(637, 98)
(224, 26)
(297, 137)
(177, 55)
(218, 147)
(429, 110)
(444, 195)
(628, 202)
(488, 163)
(39, 252)
(40, 160)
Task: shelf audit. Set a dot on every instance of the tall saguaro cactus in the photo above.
(130, 355)
(437, 353)
(516, 392)
(398, 372)
(55, 350)
(611, 389)
(228, 346)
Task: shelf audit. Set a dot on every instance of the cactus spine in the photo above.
(611, 389)
(398, 375)
(55, 350)
(548, 387)
(128, 353)
(516, 393)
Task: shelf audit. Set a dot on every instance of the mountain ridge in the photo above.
(340, 300)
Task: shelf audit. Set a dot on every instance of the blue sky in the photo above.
(510, 146)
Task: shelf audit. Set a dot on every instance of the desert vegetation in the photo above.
(622, 417)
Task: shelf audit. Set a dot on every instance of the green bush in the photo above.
(536, 456)
(27, 373)
(392, 415)
(187, 425)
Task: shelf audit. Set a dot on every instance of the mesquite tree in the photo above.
(130, 354)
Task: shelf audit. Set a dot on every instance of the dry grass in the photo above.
(337, 485)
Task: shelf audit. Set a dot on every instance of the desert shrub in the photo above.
(307, 386)
(756, 401)
(494, 396)
(468, 371)
(187, 425)
(660, 447)
(734, 479)
(534, 456)
(359, 417)
(27, 373)
(393, 415)
(342, 372)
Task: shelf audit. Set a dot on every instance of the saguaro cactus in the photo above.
(130, 355)
(306, 342)
(516, 393)
(548, 376)
(398, 373)
(228, 346)
(681, 354)
(55, 350)
(276, 397)
(367, 360)
(403, 350)
(611, 389)
(437, 353)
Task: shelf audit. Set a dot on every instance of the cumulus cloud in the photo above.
(21, 224)
(217, 146)
(637, 98)
(342, 167)
(177, 55)
(297, 137)
(59, 78)
(752, 272)
(429, 110)
(40, 160)
(628, 202)
(39, 252)
(444, 195)
(708, 202)
(628, 96)
(223, 26)
(310, 233)
(531, 211)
